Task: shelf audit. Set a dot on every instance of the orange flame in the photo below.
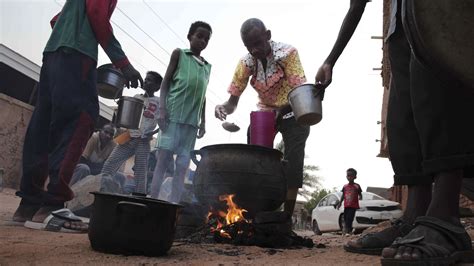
(234, 214)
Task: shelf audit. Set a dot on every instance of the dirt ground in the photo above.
(21, 246)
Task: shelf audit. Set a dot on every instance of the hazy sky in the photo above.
(352, 105)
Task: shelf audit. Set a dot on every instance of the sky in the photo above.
(149, 30)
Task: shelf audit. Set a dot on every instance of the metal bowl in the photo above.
(110, 81)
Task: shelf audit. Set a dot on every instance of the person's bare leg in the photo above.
(182, 164)
(162, 162)
(419, 198)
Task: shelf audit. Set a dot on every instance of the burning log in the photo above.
(270, 229)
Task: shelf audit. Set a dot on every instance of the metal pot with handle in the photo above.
(132, 225)
(110, 81)
(306, 102)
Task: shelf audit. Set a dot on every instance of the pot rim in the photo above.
(141, 199)
(242, 146)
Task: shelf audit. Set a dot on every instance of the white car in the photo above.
(373, 210)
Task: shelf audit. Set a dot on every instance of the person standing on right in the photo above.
(430, 141)
(182, 109)
(351, 194)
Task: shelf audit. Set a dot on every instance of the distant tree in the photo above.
(316, 196)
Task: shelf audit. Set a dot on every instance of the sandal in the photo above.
(374, 243)
(436, 241)
(62, 220)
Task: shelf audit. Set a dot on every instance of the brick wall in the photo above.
(14, 118)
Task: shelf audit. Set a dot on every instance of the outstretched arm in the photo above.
(228, 107)
(98, 14)
(351, 20)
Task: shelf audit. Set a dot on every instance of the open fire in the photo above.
(220, 220)
(267, 229)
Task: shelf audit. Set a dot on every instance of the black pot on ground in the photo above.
(132, 225)
(255, 174)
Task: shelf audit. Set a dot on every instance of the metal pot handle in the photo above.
(138, 209)
(319, 90)
(193, 154)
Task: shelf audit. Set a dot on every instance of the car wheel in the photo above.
(315, 228)
(341, 222)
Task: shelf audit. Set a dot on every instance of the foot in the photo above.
(25, 212)
(431, 241)
(373, 243)
(44, 212)
(76, 225)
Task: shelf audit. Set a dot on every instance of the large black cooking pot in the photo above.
(255, 174)
(131, 225)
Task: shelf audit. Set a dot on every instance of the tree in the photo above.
(316, 196)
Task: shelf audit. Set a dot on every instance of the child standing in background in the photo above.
(139, 143)
(182, 108)
(351, 194)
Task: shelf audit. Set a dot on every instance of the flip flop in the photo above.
(62, 220)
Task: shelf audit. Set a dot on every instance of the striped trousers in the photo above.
(140, 147)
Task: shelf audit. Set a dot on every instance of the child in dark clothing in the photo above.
(351, 194)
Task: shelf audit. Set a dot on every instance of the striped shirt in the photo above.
(188, 89)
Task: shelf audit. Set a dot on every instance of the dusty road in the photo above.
(21, 246)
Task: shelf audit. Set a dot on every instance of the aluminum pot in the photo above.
(129, 112)
(306, 102)
(110, 81)
(132, 225)
(255, 174)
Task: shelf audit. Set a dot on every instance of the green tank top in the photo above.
(188, 89)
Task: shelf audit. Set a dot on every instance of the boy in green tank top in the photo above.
(182, 108)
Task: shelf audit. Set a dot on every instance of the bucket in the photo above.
(305, 100)
(262, 128)
(129, 112)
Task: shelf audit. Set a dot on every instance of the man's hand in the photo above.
(163, 119)
(324, 75)
(220, 112)
(132, 76)
(202, 130)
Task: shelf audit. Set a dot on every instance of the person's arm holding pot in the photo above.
(351, 20)
(165, 88)
(98, 14)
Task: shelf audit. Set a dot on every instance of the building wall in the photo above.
(14, 118)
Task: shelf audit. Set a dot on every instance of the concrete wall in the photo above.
(14, 118)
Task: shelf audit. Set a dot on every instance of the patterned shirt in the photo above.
(283, 73)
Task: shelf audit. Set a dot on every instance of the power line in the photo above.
(141, 45)
(136, 25)
(164, 22)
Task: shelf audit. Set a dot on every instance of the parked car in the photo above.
(373, 210)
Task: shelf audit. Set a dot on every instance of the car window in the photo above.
(323, 202)
(332, 200)
(371, 196)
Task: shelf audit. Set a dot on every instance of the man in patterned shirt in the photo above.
(274, 69)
